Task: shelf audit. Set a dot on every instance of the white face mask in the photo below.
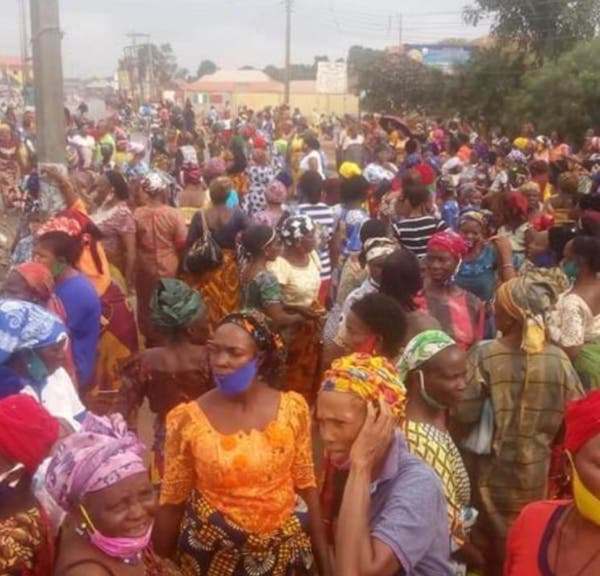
(10, 473)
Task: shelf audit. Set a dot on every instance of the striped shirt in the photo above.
(323, 217)
(414, 233)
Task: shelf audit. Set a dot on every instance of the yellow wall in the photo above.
(339, 104)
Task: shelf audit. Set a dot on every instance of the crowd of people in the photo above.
(364, 348)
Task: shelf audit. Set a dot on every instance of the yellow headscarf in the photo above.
(349, 169)
(528, 301)
(369, 378)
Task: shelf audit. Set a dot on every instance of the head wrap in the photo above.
(38, 278)
(76, 224)
(370, 378)
(426, 174)
(448, 241)
(63, 224)
(268, 342)
(295, 228)
(153, 184)
(27, 326)
(422, 348)
(27, 431)
(349, 169)
(101, 454)
(521, 143)
(528, 301)
(137, 148)
(276, 192)
(582, 421)
(214, 168)
(377, 247)
(517, 202)
(474, 216)
(174, 304)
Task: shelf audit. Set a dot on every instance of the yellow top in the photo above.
(86, 264)
(251, 478)
(299, 284)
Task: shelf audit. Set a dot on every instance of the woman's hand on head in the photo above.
(375, 436)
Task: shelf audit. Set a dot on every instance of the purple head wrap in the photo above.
(214, 168)
(101, 454)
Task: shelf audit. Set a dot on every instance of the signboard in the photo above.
(440, 56)
(332, 78)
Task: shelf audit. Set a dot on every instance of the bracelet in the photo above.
(507, 266)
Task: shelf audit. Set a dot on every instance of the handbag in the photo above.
(205, 254)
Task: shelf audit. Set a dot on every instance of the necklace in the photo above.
(588, 563)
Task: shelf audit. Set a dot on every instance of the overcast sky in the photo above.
(235, 33)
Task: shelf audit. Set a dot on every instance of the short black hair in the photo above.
(385, 317)
(372, 228)
(312, 142)
(411, 146)
(588, 249)
(118, 183)
(559, 237)
(311, 186)
(538, 167)
(254, 238)
(417, 195)
(353, 189)
(401, 278)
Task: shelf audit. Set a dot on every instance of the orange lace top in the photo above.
(251, 478)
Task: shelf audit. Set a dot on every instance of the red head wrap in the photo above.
(517, 203)
(448, 241)
(27, 431)
(38, 278)
(426, 173)
(582, 421)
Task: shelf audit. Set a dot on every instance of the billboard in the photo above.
(442, 56)
(332, 78)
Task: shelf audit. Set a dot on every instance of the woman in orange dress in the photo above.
(235, 461)
(161, 234)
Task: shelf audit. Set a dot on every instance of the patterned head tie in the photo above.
(295, 228)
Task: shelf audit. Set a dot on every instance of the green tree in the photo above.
(395, 83)
(563, 95)
(479, 89)
(546, 27)
(160, 59)
(206, 67)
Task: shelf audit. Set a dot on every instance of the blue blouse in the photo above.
(479, 276)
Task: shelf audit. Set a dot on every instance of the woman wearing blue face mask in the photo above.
(235, 461)
(575, 326)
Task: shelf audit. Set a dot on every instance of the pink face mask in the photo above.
(126, 549)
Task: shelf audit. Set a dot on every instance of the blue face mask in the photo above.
(571, 269)
(36, 368)
(543, 260)
(238, 381)
(232, 200)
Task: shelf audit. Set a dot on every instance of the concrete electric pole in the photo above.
(288, 49)
(48, 81)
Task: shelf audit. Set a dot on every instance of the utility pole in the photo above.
(288, 49)
(138, 54)
(48, 81)
(24, 41)
(400, 32)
